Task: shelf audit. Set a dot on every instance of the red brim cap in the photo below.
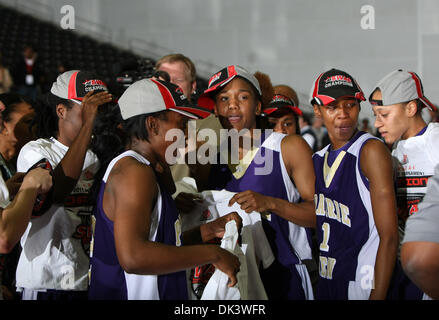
(192, 112)
(270, 110)
(206, 102)
(281, 101)
(227, 74)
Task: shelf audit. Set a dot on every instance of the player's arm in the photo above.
(376, 165)
(15, 218)
(68, 171)
(131, 193)
(211, 230)
(297, 156)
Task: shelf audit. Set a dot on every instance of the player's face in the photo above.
(236, 105)
(174, 120)
(180, 76)
(390, 120)
(16, 132)
(285, 124)
(71, 123)
(340, 118)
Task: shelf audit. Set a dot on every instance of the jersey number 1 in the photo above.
(326, 231)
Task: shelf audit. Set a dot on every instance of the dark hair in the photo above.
(11, 100)
(135, 126)
(419, 106)
(108, 141)
(258, 97)
(306, 118)
(46, 118)
(282, 111)
(112, 135)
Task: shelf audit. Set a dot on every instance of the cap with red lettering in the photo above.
(75, 84)
(334, 84)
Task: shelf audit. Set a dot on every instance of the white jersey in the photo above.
(56, 245)
(254, 251)
(416, 159)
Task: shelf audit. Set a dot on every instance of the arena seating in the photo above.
(55, 45)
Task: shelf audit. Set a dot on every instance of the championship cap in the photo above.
(75, 84)
(149, 96)
(332, 85)
(400, 86)
(227, 74)
(281, 101)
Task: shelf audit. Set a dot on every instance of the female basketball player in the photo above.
(137, 252)
(267, 168)
(397, 101)
(54, 261)
(354, 197)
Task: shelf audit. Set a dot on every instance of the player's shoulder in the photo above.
(432, 133)
(374, 152)
(39, 144)
(294, 141)
(34, 151)
(373, 145)
(129, 167)
(128, 173)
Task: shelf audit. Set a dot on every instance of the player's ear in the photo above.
(60, 110)
(152, 125)
(317, 111)
(215, 110)
(258, 108)
(411, 108)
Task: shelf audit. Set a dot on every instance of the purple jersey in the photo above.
(282, 280)
(108, 279)
(346, 231)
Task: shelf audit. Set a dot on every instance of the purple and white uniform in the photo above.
(108, 279)
(346, 232)
(265, 173)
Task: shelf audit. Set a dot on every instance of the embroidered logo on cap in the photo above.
(338, 80)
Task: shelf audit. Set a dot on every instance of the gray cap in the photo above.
(149, 96)
(401, 86)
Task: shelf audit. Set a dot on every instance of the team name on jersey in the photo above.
(332, 209)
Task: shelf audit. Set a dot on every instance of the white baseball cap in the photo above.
(149, 96)
(400, 86)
